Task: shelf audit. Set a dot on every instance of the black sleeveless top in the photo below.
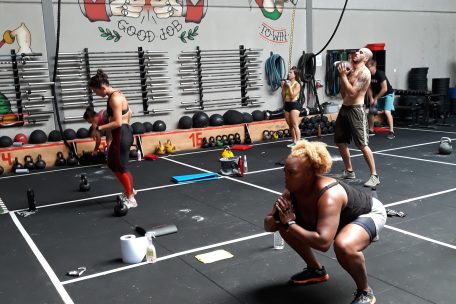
(358, 203)
(109, 109)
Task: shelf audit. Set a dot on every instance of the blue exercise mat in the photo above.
(195, 177)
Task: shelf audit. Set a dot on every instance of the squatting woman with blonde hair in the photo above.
(316, 211)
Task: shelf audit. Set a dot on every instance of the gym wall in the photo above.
(414, 37)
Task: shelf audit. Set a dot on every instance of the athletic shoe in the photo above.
(372, 182)
(390, 135)
(291, 145)
(371, 133)
(310, 275)
(124, 195)
(364, 297)
(130, 202)
(348, 175)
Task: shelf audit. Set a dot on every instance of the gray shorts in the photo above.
(374, 221)
(351, 123)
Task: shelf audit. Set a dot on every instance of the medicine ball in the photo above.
(82, 133)
(247, 117)
(233, 117)
(185, 122)
(21, 138)
(138, 128)
(258, 115)
(200, 120)
(216, 120)
(54, 136)
(69, 134)
(148, 126)
(159, 126)
(38, 137)
(5, 142)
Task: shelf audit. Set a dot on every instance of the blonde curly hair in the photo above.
(314, 153)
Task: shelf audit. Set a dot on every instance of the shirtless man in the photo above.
(351, 122)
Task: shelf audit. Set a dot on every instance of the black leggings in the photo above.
(119, 150)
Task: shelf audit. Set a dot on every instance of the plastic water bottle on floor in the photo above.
(151, 252)
(279, 243)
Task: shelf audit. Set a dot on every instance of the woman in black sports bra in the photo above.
(119, 115)
(316, 211)
(291, 89)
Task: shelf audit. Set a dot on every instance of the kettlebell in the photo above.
(219, 141)
(230, 139)
(237, 139)
(120, 209)
(84, 185)
(275, 135)
(60, 161)
(40, 163)
(211, 142)
(205, 144)
(72, 160)
(280, 133)
(16, 165)
(133, 154)
(28, 162)
(266, 135)
(170, 148)
(286, 133)
(227, 153)
(225, 140)
(160, 150)
(445, 146)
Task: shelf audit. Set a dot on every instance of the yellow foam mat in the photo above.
(213, 256)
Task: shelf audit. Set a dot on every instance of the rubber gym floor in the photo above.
(414, 261)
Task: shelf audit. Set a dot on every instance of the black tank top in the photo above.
(358, 203)
(109, 109)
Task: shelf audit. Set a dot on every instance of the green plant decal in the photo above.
(109, 35)
(190, 36)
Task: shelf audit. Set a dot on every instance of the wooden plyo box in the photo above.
(183, 140)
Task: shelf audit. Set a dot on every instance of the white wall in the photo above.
(416, 33)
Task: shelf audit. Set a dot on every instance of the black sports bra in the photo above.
(109, 109)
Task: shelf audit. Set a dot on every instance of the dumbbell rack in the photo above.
(214, 71)
(23, 78)
(139, 75)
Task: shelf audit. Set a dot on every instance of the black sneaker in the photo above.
(310, 275)
(364, 297)
(390, 135)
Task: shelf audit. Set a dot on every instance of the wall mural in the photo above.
(21, 35)
(273, 9)
(183, 12)
(186, 11)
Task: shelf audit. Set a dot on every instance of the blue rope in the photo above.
(275, 71)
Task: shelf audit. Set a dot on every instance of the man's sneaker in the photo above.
(372, 182)
(124, 195)
(291, 145)
(390, 135)
(371, 133)
(364, 297)
(310, 275)
(130, 202)
(348, 175)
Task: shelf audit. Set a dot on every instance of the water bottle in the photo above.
(279, 243)
(151, 253)
(139, 155)
(246, 169)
